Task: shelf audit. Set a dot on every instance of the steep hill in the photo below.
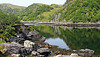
(9, 8)
(35, 10)
(30, 9)
(78, 11)
(39, 12)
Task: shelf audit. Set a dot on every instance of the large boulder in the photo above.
(30, 44)
(11, 48)
(44, 51)
(8, 46)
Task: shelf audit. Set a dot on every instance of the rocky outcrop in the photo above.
(28, 49)
(44, 51)
(25, 33)
(32, 34)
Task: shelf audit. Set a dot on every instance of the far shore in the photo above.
(69, 24)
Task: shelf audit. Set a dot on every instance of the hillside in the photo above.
(9, 8)
(47, 16)
(39, 12)
(30, 9)
(79, 11)
(34, 12)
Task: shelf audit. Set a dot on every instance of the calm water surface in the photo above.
(71, 38)
(57, 42)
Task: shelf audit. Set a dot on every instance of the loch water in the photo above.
(74, 38)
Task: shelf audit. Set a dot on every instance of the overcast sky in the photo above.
(29, 2)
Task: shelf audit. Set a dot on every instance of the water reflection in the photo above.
(30, 24)
(57, 42)
(75, 38)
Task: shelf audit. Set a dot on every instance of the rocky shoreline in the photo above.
(29, 43)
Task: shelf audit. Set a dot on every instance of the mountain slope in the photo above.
(9, 8)
(35, 12)
(30, 9)
(79, 11)
(39, 12)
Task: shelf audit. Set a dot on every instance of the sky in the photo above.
(29, 2)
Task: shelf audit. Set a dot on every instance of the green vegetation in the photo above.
(80, 11)
(47, 16)
(27, 11)
(6, 25)
(39, 10)
(9, 8)
(72, 11)
(7, 30)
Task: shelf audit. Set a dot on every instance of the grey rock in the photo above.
(72, 55)
(16, 39)
(30, 44)
(13, 49)
(87, 51)
(42, 50)
(25, 51)
(15, 55)
(16, 44)
(34, 53)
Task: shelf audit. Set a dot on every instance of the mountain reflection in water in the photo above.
(75, 38)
